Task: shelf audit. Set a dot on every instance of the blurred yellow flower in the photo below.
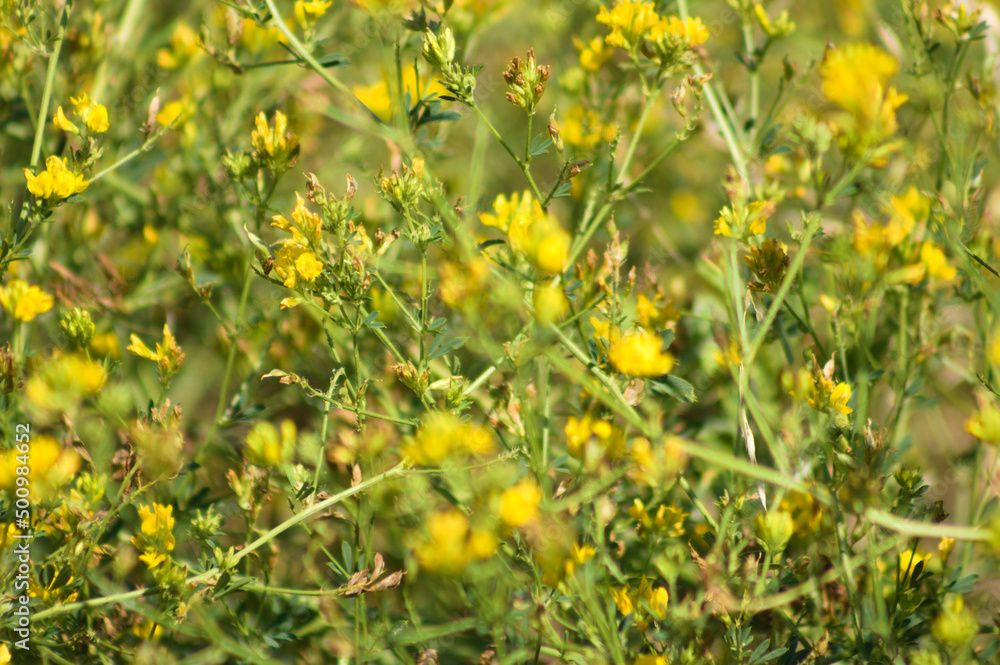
(593, 54)
(984, 424)
(50, 467)
(451, 544)
(268, 447)
(530, 230)
(442, 435)
(639, 353)
(22, 301)
(519, 504)
(308, 11)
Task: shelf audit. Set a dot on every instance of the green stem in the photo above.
(510, 151)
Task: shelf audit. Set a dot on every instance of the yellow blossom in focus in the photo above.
(62, 122)
(640, 353)
(277, 143)
(629, 22)
(530, 230)
(56, 181)
(519, 504)
(22, 301)
(157, 528)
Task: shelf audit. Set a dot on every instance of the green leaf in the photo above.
(440, 347)
(679, 389)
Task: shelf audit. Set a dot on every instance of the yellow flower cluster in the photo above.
(168, 355)
(530, 230)
(50, 467)
(880, 243)
(593, 54)
(609, 440)
(583, 128)
(749, 220)
(22, 301)
(669, 520)
(296, 261)
(442, 435)
(647, 602)
(630, 22)
(984, 424)
(157, 539)
(62, 381)
(266, 446)
(307, 12)
(519, 504)
(276, 147)
(855, 79)
(826, 395)
(451, 544)
(57, 181)
(93, 115)
(640, 353)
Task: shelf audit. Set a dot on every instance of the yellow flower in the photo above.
(550, 303)
(650, 659)
(277, 144)
(157, 528)
(452, 545)
(908, 562)
(308, 11)
(183, 48)
(51, 594)
(307, 226)
(4, 654)
(22, 301)
(629, 22)
(775, 529)
(839, 397)
(378, 97)
(152, 558)
(583, 553)
(442, 435)
(50, 467)
(62, 122)
(639, 353)
(519, 504)
(690, 30)
(56, 181)
(855, 76)
(168, 356)
(984, 424)
(267, 447)
(583, 128)
(593, 54)
(174, 112)
(623, 600)
(933, 259)
(530, 230)
(62, 381)
(94, 115)
(956, 626)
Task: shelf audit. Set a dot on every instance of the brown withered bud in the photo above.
(578, 167)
